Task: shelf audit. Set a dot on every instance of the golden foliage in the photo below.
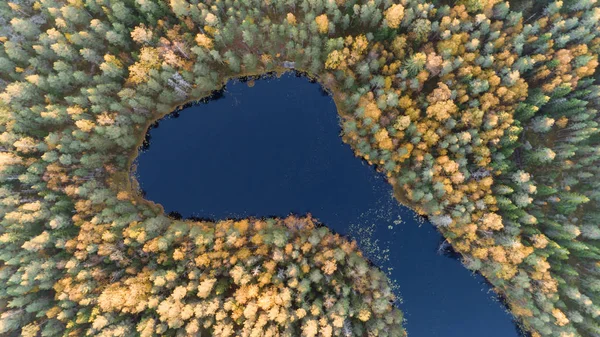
(141, 34)
(335, 60)
(540, 241)
(139, 71)
(291, 19)
(383, 139)
(561, 318)
(441, 111)
(394, 15)
(322, 23)
(364, 315)
(359, 46)
(329, 267)
(492, 221)
(371, 109)
(204, 41)
(85, 125)
(129, 296)
(399, 46)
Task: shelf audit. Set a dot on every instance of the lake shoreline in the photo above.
(426, 238)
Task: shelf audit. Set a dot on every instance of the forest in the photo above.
(483, 115)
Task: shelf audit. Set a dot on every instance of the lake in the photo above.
(275, 149)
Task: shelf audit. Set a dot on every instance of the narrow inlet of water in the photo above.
(275, 149)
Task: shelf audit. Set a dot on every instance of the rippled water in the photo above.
(275, 149)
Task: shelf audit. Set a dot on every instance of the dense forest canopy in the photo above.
(483, 118)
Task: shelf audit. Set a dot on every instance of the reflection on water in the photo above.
(275, 149)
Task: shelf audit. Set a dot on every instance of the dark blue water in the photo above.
(275, 149)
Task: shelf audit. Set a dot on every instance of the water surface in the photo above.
(275, 149)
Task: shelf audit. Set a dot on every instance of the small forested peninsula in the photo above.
(483, 118)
